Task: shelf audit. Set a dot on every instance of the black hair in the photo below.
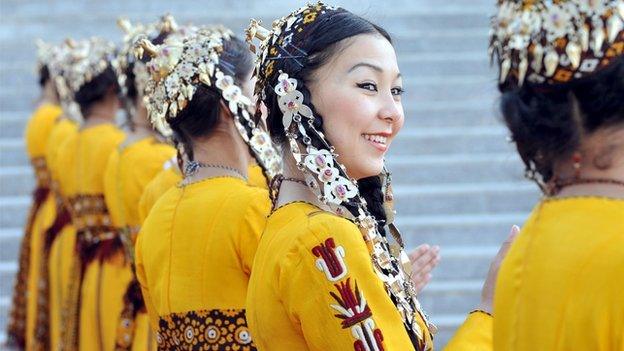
(201, 114)
(549, 124)
(96, 90)
(44, 75)
(322, 40)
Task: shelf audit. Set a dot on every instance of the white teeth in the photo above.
(376, 138)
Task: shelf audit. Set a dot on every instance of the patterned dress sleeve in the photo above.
(330, 289)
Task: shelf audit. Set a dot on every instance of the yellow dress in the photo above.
(130, 167)
(560, 286)
(313, 287)
(82, 159)
(193, 259)
(24, 314)
(171, 175)
(62, 246)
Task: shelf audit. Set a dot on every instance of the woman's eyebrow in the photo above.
(364, 64)
(369, 65)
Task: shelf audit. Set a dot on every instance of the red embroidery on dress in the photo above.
(355, 314)
(330, 260)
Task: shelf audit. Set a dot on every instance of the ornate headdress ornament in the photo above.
(324, 174)
(45, 53)
(59, 65)
(89, 58)
(555, 41)
(126, 55)
(180, 65)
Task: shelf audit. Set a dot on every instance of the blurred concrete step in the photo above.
(468, 198)
(455, 168)
(7, 276)
(12, 124)
(450, 297)
(10, 241)
(414, 140)
(13, 152)
(450, 229)
(13, 210)
(18, 180)
(464, 262)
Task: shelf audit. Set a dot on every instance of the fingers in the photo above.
(423, 260)
(419, 251)
(426, 263)
(420, 281)
(420, 262)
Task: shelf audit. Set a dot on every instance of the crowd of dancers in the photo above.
(243, 202)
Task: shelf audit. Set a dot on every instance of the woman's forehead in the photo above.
(368, 51)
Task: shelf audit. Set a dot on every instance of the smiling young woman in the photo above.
(326, 275)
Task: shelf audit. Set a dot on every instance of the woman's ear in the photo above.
(224, 112)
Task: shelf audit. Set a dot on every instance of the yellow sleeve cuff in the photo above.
(475, 334)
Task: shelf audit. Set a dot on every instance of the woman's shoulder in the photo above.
(307, 227)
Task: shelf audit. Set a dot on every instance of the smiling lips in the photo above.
(379, 141)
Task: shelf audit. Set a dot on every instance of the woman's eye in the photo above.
(397, 91)
(367, 86)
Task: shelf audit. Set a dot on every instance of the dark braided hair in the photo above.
(322, 40)
(549, 123)
(44, 75)
(96, 90)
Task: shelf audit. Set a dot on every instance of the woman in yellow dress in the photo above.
(562, 84)
(130, 167)
(81, 162)
(326, 274)
(21, 326)
(195, 249)
(61, 234)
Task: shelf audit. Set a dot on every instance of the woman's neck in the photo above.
(48, 95)
(223, 150)
(602, 163)
(102, 113)
(291, 189)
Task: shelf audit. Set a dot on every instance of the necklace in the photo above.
(558, 185)
(193, 166)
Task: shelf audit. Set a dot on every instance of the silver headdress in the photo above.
(555, 41)
(179, 66)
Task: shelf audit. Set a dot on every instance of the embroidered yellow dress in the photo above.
(24, 310)
(193, 258)
(130, 167)
(62, 246)
(171, 175)
(560, 286)
(83, 159)
(313, 287)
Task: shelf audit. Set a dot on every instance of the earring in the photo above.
(577, 158)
